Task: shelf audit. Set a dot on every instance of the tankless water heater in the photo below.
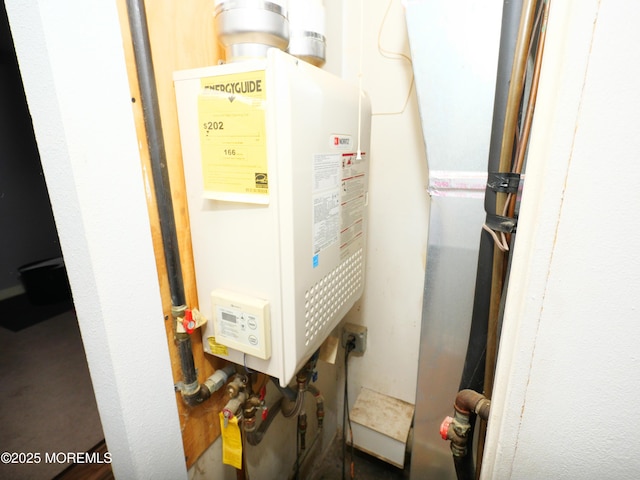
(275, 155)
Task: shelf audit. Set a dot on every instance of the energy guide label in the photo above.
(232, 130)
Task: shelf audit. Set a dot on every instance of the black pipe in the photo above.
(287, 392)
(192, 392)
(473, 372)
(511, 13)
(465, 469)
(474, 366)
(256, 436)
(186, 360)
(155, 142)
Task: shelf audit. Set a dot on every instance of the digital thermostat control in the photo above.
(242, 322)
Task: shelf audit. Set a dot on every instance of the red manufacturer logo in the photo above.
(336, 141)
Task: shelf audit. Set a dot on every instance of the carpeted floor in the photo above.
(47, 404)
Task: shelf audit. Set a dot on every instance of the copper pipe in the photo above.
(509, 132)
(528, 120)
(516, 89)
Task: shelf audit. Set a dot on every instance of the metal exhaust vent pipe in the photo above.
(248, 28)
(307, 25)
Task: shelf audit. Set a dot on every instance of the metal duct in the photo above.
(248, 28)
(307, 30)
(454, 48)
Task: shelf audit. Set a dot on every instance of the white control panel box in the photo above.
(276, 161)
(242, 323)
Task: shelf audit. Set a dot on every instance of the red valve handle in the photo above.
(444, 427)
(187, 322)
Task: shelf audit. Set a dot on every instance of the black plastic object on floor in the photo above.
(18, 313)
(45, 281)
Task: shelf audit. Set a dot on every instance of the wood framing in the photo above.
(182, 36)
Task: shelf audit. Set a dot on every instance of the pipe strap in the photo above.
(504, 182)
(498, 223)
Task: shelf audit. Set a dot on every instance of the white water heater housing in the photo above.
(275, 155)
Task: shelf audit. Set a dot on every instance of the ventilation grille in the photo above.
(325, 299)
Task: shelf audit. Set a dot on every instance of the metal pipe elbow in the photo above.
(468, 401)
(196, 398)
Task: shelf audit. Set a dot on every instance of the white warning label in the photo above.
(339, 202)
(353, 191)
(327, 170)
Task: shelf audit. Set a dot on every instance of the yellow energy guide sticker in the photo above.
(231, 114)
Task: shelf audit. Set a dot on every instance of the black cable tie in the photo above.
(504, 182)
(499, 223)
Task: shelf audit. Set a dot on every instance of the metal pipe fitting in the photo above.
(248, 28)
(216, 381)
(251, 406)
(249, 427)
(237, 385)
(302, 430)
(471, 401)
(319, 404)
(457, 429)
(234, 405)
(255, 435)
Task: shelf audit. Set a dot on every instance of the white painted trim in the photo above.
(567, 52)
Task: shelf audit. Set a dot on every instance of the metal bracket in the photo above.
(506, 182)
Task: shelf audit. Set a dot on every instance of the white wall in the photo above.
(569, 364)
(391, 306)
(73, 69)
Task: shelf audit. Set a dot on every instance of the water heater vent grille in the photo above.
(327, 296)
